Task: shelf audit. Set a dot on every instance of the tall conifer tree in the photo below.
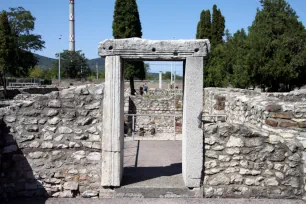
(204, 25)
(127, 24)
(217, 26)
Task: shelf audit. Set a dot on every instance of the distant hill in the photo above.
(46, 62)
(101, 64)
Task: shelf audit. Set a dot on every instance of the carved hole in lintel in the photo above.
(104, 48)
(110, 47)
(196, 50)
(175, 53)
(153, 49)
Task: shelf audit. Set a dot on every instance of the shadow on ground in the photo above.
(138, 174)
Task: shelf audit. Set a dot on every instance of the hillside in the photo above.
(92, 63)
(46, 62)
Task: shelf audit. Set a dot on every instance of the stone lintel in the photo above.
(143, 49)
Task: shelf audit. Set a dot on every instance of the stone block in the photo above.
(271, 122)
(113, 110)
(112, 168)
(90, 194)
(273, 108)
(32, 128)
(92, 106)
(71, 185)
(54, 121)
(220, 179)
(271, 182)
(302, 125)
(139, 48)
(10, 119)
(288, 124)
(94, 156)
(52, 112)
(54, 104)
(192, 146)
(281, 115)
(64, 130)
(79, 155)
(235, 142)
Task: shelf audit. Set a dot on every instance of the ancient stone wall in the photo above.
(282, 115)
(249, 163)
(157, 106)
(51, 144)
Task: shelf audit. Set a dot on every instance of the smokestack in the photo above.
(71, 25)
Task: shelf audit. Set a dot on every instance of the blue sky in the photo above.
(161, 19)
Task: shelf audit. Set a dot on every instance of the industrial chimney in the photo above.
(71, 26)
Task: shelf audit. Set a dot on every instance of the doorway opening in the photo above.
(153, 128)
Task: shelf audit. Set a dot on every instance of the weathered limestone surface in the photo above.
(50, 145)
(156, 104)
(192, 144)
(113, 132)
(244, 162)
(282, 115)
(142, 49)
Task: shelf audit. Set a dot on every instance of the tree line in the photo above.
(17, 42)
(271, 55)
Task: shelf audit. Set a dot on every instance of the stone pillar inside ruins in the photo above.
(192, 143)
(113, 133)
(191, 52)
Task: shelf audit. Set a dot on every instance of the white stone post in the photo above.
(113, 130)
(192, 144)
(160, 80)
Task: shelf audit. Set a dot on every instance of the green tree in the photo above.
(277, 47)
(126, 24)
(50, 73)
(217, 26)
(167, 76)
(22, 25)
(237, 64)
(215, 73)
(204, 25)
(36, 72)
(212, 28)
(7, 48)
(73, 65)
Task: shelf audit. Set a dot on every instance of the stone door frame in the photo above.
(192, 53)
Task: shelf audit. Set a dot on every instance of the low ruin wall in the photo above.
(282, 115)
(12, 92)
(242, 162)
(50, 145)
(157, 106)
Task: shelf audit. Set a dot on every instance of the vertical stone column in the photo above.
(192, 152)
(160, 80)
(113, 130)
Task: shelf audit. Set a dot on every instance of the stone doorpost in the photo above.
(192, 144)
(113, 130)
